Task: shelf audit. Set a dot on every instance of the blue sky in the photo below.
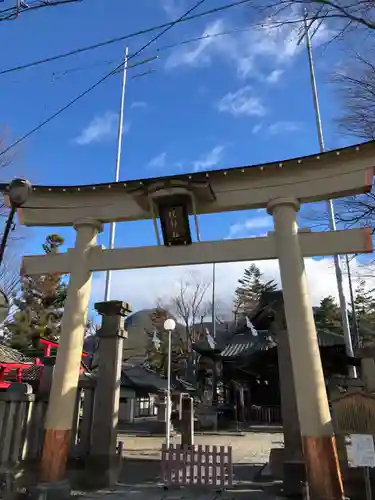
(239, 99)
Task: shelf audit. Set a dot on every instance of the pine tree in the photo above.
(364, 304)
(327, 315)
(39, 305)
(251, 288)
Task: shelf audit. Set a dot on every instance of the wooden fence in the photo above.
(22, 418)
(270, 415)
(197, 466)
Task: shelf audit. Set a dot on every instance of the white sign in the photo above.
(360, 450)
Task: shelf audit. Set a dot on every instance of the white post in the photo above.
(331, 212)
(168, 422)
(112, 229)
(213, 300)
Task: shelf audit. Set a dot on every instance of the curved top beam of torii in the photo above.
(329, 175)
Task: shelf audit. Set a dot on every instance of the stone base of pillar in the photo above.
(294, 478)
(102, 471)
(51, 491)
(291, 472)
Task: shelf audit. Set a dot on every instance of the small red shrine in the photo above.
(14, 371)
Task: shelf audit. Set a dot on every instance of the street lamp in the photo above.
(169, 326)
(17, 194)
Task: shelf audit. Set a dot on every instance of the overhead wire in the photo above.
(58, 75)
(168, 25)
(99, 82)
(12, 13)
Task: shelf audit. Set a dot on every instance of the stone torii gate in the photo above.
(280, 187)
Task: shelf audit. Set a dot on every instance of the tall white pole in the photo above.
(331, 212)
(168, 422)
(112, 230)
(352, 300)
(213, 300)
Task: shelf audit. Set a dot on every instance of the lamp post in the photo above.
(169, 326)
(18, 193)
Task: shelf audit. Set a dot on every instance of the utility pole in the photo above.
(112, 230)
(213, 300)
(331, 212)
(355, 328)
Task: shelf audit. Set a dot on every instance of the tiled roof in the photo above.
(245, 344)
(140, 377)
(9, 355)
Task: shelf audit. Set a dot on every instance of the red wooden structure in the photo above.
(6, 369)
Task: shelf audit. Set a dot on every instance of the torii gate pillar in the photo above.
(318, 441)
(60, 412)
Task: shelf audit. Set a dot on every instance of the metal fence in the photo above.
(197, 466)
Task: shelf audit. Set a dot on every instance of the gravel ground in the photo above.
(252, 448)
(141, 471)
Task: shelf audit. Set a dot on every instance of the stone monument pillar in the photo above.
(367, 357)
(104, 462)
(293, 467)
(187, 420)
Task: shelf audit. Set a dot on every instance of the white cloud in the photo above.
(172, 8)
(100, 129)
(274, 76)
(138, 104)
(242, 103)
(209, 160)
(199, 53)
(274, 43)
(245, 228)
(257, 128)
(283, 127)
(158, 161)
(145, 286)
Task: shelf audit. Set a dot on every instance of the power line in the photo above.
(122, 38)
(21, 6)
(99, 82)
(160, 49)
(205, 37)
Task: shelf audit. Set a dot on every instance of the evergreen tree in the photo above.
(251, 288)
(327, 315)
(364, 304)
(39, 305)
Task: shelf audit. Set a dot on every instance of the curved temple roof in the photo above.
(311, 178)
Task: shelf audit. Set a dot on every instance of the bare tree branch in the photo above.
(349, 14)
(190, 306)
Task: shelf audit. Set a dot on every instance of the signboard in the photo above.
(175, 224)
(360, 450)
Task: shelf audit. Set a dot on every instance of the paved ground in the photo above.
(124, 493)
(141, 469)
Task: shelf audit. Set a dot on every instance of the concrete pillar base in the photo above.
(102, 471)
(51, 491)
